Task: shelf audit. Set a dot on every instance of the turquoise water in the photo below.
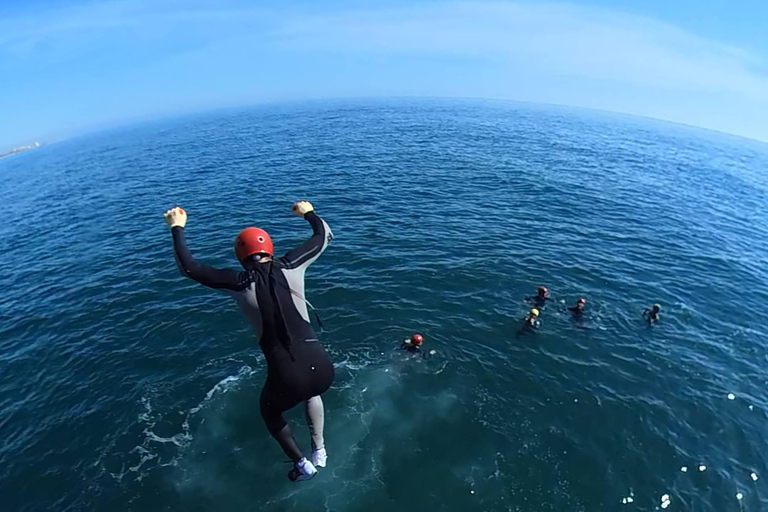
(126, 387)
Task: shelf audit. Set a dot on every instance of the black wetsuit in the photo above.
(528, 326)
(271, 296)
(539, 301)
(578, 313)
(414, 349)
(651, 316)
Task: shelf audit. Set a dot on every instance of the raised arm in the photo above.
(305, 254)
(220, 279)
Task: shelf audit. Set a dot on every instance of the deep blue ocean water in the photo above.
(124, 386)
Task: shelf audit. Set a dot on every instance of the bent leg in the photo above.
(285, 438)
(315, 414)
(272, 408)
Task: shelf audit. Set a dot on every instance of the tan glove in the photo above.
(301, 208)
(175, 217)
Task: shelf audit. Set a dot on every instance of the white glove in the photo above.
(175, 217)
(301, 208)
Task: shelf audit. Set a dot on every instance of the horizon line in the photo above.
(160, 118)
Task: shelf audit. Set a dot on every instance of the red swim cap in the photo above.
(581, 301)
(252, 241)
(417, 339)
(542, 290)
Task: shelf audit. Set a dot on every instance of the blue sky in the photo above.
(73, 65)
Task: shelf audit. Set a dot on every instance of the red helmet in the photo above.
(542, 290)
(252, 241)
(417, 339)
(581, 301)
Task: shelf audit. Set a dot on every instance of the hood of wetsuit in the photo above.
(656, 308)
(252, 241)
(417, 339)
(542, 290)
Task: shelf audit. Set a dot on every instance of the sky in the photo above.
(69, 66)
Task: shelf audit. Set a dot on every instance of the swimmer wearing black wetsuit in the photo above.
(530, 322)
(540, 299)
(413, 346)
(578, 310)
(652, 315)
(270, 293)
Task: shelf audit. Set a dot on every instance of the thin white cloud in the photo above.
(102, 21)
(557, 38)
(564, 39)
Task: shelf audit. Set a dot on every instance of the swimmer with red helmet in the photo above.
(270, 293)
(541, 297)
(413, 345)
(578, 309)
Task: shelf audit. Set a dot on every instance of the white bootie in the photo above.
(302, 470)
(319, 457)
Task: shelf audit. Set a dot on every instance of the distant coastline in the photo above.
(20, 149)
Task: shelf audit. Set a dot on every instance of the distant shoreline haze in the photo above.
(20, 149)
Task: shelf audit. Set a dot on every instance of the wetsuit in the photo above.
(271, 296)
(578, 313)
(539, 301)
(529, 325)
(651, 315)
(414, 349)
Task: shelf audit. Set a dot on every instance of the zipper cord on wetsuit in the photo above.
(297, 294)
(314, 310)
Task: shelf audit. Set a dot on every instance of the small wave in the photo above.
(157, 450)
(222, 386)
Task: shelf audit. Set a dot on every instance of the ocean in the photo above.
(125, 387)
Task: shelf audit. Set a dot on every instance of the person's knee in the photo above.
(274, 422)
(273, 419)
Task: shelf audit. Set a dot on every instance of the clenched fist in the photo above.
(301, 208)
(175, 217)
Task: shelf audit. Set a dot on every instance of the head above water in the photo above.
(534, 312)
(656, 308)
(252, 242)
(417, 339)
(542, 291)
(580, 302)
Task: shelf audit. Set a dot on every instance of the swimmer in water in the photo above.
(652, 315)
(270, 293)
(578, 310)
(530, 322)
(541, 297)
(413, 345)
